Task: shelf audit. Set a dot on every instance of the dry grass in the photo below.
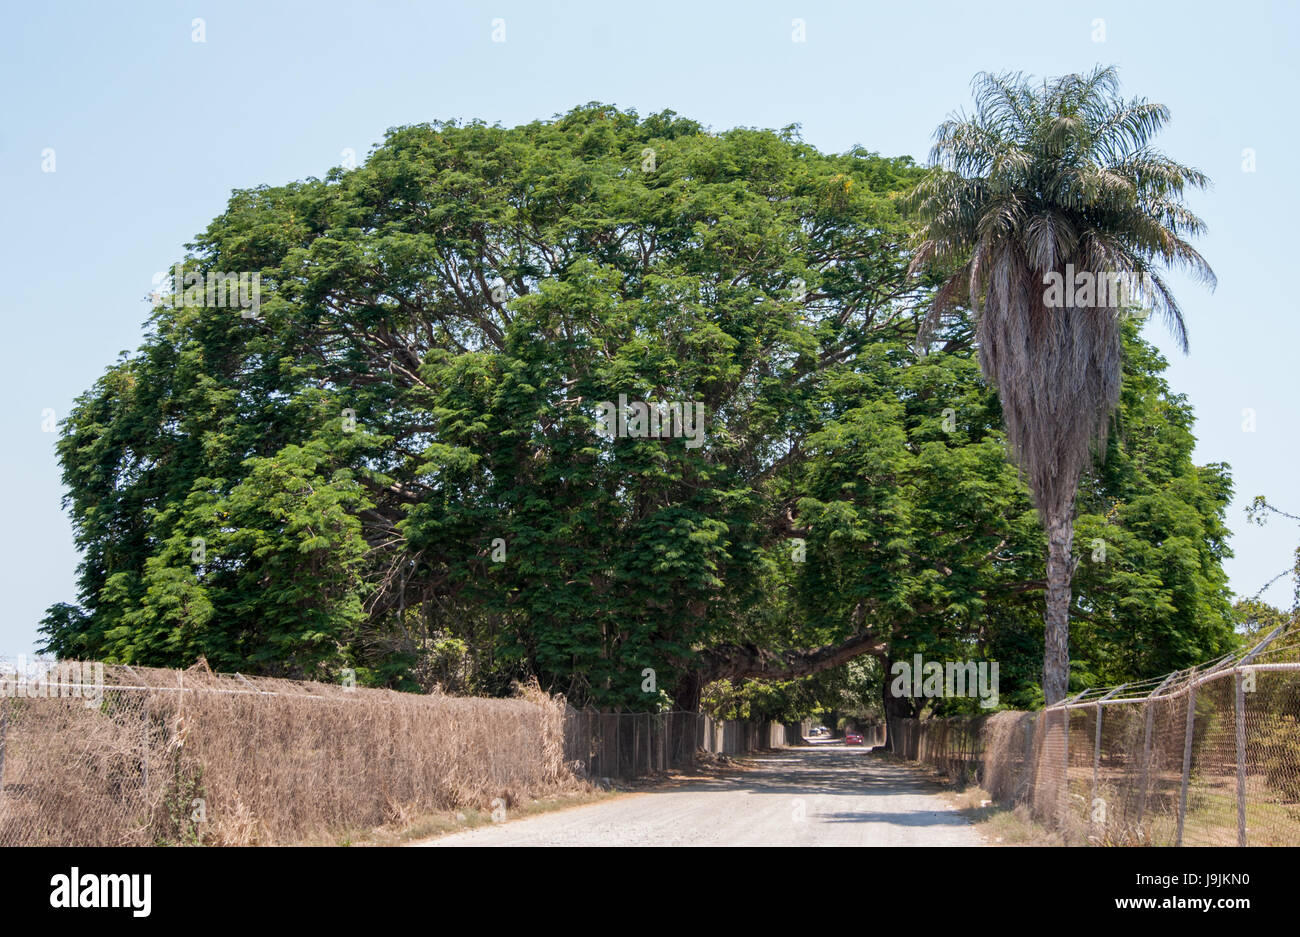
(1116, 779)
(197, 758)
(445, 822)
(1000, 824)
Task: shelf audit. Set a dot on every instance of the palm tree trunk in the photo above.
(1060, 569)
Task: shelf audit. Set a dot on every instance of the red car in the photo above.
(852, 738)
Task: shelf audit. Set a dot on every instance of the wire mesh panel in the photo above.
(1047, 793)
(1209, 756)
(143, 756)
(1270, 705)
(1211, 804)
(1076, 801)
(156, 756)
(146, 756)
(613, 745)
(1165, 768)
(1115, 819)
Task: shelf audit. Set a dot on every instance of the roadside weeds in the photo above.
(998, 824)
(444, 823)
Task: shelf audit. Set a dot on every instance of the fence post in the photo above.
(144, 753)
(1096, 761)
(1064, 800)
(1096, 751)
(1025, 783)
(1240, 719)
(4, 732)
(1241, 731)
(589, 736)
(1187, 756)
(1146, 760)
(1146, 746)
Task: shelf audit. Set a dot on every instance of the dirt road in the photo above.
(815, 796)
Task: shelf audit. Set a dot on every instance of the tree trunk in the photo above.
(897, 708)
(1056, 635)
(686, 695)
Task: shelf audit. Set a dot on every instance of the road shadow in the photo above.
(822, 770)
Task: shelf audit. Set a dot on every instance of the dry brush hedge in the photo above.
(1126, 768)
(193, 757)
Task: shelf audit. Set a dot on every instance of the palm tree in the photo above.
(1044, 181)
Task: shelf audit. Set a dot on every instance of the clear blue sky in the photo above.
(151, 131)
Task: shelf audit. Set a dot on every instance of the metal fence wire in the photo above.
(109, 755)
(609, 745)
(1207, 756)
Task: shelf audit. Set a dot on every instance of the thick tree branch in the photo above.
(740, 661)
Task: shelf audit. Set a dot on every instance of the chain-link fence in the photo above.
(628, 745)
(95, 754)
(1207, 756)
(114, 755)
(873, 736)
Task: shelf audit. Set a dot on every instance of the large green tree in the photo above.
(1055, 180)
(398, 465)
(400, 455)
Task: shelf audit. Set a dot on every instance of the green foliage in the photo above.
(1254, 619)
(922, 529)
(1151, 538)
(183, 810)
(469, 294)
(395, 468)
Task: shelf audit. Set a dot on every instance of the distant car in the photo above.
(819, 731)
(852, 738)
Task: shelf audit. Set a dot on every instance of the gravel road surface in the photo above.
(827, 795)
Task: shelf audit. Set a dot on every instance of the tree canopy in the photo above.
(398, 464)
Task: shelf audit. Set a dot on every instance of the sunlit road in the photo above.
(813, 796)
